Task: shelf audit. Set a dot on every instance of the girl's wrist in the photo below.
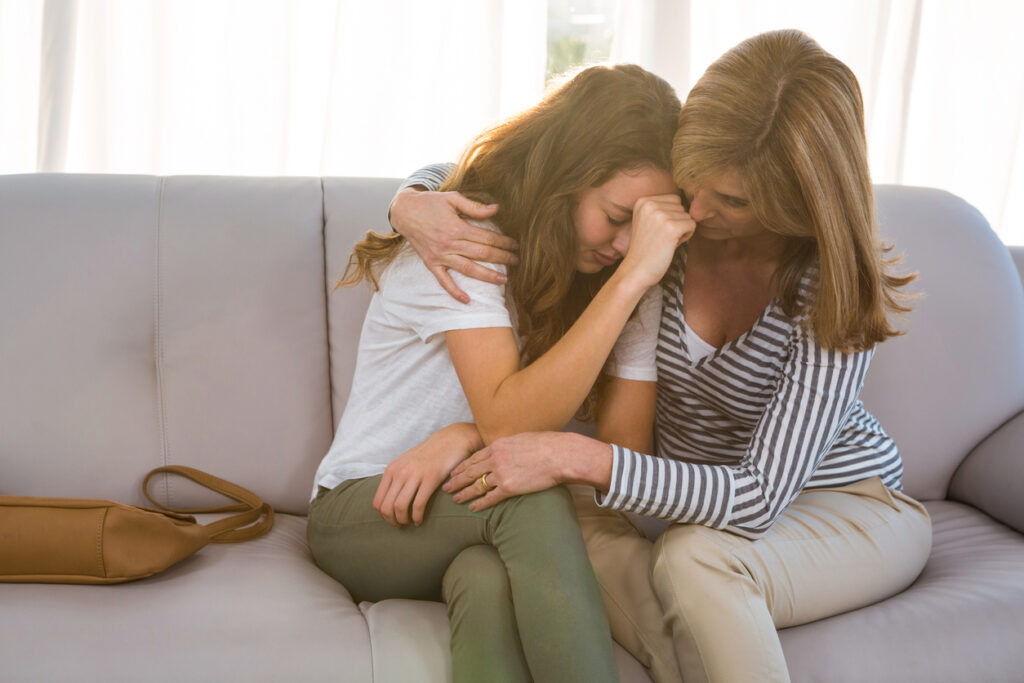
(630, 283)
(471, 436)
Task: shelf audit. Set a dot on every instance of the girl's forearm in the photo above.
(547, 393)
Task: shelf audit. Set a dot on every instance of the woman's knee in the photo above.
(692, 560)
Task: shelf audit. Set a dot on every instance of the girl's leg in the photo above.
(479, 600)
(621, 557)
(831, 551)
(557, 605)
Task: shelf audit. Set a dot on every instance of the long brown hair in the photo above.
(535, 165)
(788, 116)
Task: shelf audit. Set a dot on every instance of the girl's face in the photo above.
(604, 215)
(722, 208)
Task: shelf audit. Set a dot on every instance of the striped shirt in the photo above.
(741, 432)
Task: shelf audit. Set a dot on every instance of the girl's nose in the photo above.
(621, 241)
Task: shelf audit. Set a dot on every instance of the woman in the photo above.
(568, 174)
(786, 490)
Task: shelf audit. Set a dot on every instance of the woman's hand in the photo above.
(411, 478)
(660, 225)
(433, 223)
(528, 462)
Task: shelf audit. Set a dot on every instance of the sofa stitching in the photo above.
(99, 542)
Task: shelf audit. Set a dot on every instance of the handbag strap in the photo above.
(233, 529)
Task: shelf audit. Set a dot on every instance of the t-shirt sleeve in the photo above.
(634, 355)
(412, 297)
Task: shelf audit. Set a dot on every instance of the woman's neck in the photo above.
(761, 249)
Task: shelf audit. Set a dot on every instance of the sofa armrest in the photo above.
(991, 477)
(1017, 252)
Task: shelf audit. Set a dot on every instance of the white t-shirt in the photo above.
(405, 387)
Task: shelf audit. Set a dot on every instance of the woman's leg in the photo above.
(621, 557)
(831, 551)
(556, 601)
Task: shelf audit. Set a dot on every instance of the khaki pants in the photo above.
(703, 605)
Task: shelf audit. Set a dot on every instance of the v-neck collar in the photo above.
(678, 283)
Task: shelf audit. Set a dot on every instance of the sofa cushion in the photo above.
(958, 373)
(78, 413)
(962, 620)
(256, 611)
(151, 321)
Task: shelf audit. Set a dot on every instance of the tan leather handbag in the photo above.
(73, 540)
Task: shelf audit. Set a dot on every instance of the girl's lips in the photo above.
(604, 260)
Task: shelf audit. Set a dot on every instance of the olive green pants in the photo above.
(523, 603)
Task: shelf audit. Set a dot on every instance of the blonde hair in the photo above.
(535, 166)
(788, 116)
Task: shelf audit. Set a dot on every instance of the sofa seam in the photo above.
(158, 345)
(327, 302)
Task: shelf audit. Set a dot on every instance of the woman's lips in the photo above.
(605, 260)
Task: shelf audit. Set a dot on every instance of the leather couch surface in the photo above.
(191, 320)
(255, 611)
(960, 621)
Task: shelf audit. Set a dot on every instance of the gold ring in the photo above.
(483, 480)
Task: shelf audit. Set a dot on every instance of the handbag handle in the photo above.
(233, 529)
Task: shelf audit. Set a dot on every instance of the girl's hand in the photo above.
(660, 225)
(411, 478)
(433, 223)
(514, 465)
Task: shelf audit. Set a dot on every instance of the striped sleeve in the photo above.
(431, 177)
(818, 390)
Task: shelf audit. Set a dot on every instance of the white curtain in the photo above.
(943, 80)
(379, 87)
(301, 87)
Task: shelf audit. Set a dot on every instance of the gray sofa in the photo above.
(147, 321)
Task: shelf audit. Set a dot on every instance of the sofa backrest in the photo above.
(352, 206)
(958, 373)
(148, 321)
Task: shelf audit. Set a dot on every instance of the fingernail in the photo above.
(464, 299)
(515, 260)
(502, 279)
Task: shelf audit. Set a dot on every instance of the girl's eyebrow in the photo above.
(623, 209)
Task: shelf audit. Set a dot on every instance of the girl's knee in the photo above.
(476, 573)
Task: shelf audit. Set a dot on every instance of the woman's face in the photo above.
(722, 208)
(604, 215)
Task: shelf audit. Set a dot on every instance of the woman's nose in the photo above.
(700, 206)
